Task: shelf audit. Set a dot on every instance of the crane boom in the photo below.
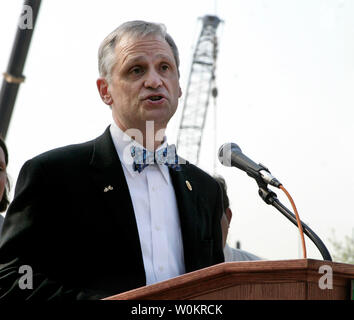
(199, 89)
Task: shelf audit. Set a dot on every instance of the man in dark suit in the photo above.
(94, 219)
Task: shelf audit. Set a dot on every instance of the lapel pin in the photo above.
(109, 188)
(189, 186)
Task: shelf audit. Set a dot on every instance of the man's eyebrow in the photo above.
(164, 57)
(141, 58)
(130, 61)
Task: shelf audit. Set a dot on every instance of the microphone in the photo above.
(230, 155)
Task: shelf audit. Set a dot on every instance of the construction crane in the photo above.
(13, 76)
(200, 87)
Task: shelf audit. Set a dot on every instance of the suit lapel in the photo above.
(187, 208)
(108, 177)
(107, 170)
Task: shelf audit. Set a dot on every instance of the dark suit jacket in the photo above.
(82, 242)
(1, 222)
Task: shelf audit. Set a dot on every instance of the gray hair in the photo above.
(135, 29)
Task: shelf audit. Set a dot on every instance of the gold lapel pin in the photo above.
(109, 188)
(189, 186)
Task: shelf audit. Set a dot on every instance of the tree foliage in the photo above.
(343, 251)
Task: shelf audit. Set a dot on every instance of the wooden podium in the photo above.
(300, 279)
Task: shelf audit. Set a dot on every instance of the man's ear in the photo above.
(180, 92)
(228, 214)
(102, 86)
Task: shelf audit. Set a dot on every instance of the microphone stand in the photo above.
(270, 197)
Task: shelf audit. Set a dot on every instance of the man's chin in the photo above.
(158, 116)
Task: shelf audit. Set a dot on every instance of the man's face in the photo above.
(144, 83)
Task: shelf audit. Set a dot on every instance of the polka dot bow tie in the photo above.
(167, 156)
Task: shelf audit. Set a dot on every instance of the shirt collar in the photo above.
(123, 143)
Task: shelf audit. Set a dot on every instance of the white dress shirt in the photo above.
(156, 212)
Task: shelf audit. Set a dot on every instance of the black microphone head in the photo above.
(225, 152)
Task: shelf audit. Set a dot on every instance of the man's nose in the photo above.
(153, 80)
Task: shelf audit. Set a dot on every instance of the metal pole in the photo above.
(13, 76)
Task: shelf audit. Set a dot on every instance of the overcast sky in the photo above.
(285, 76)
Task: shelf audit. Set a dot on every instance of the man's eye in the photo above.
(165, 67)
(136, 70)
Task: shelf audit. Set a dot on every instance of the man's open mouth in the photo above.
(155, 98)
